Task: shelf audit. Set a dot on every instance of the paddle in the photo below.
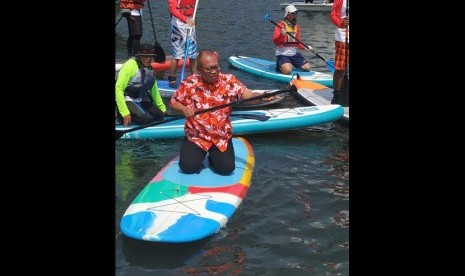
(119, 133)
(188, 44)
(331, 66)
(159, 53)
(267, 17)
(118, 20)
(344, 90)
(242, 115)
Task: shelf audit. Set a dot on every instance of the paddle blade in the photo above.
(330, 66)
(160, 54)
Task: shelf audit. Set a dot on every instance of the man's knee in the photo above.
(306, 67)
(225, 168)
(189, 168)
(285, 69)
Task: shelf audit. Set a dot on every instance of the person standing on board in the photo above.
(341, 20)
(286, 46)
(132, 11)
(181, 12)
(136, 92)
(210, 131)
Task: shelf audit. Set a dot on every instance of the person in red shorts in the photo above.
(341, 20)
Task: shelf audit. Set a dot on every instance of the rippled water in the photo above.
(295, 218)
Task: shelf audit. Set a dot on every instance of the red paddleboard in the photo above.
(166, 65)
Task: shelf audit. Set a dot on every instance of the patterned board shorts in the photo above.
(179, 32)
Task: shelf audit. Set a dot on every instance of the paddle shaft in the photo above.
(298, 40)
(258, 117)
(347, 43)
(118, 20)
(188, 43)
(151, 19)
(120, 133)
(160, 53)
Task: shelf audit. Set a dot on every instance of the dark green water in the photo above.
(295, 218)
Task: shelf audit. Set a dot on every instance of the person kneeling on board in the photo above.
(286, 38)
(209, 132)
(136, 92)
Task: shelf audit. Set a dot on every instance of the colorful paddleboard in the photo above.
(242, 122)
(176, 208)
(311, 93)
(267, 69)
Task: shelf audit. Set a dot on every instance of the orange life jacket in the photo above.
(132, 4)
(293, 31)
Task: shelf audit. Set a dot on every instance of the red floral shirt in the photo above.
(213, 127)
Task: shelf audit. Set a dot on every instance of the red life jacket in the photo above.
(186, 7)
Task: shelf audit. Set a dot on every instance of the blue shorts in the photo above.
(297, 60)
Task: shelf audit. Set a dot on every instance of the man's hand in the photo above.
(127, 120)
(269, 98)
(188, 112)
(190, 22)
(345, 20)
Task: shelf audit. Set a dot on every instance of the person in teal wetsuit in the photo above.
(138, 99)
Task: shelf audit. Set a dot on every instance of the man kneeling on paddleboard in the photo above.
(209, 132)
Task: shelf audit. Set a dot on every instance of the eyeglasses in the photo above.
(293, 13)
(210, 69)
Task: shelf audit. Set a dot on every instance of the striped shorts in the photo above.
(179, 32)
